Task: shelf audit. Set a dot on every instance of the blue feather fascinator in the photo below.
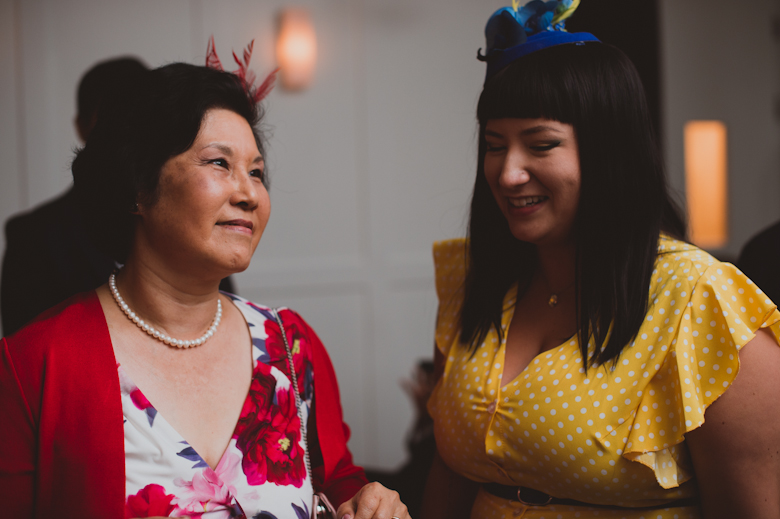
(513, 32)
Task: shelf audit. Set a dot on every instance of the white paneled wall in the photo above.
(370, 165)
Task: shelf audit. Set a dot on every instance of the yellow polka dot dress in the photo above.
(614, 435)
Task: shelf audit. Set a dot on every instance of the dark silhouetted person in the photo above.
(49, 255)
(759, 261)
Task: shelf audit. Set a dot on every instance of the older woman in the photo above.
(157, 395)
(592, 362)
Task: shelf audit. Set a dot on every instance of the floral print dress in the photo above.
(262, 474)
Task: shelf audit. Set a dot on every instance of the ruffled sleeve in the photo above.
(721, 314)
(449, 259)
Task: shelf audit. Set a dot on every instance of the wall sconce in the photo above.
(706, 182)
(296, 48)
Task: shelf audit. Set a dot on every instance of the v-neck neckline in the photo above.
(256, 356)
(509, 306)
(178, 438)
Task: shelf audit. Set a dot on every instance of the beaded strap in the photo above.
(295, 387)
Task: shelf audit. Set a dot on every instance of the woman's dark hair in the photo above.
(137, 133)
(624, 204)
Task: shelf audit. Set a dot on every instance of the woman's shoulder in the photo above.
(56, 345)
(261, 317)
(244, 304)
(692, 280)
(449, 259)
(265, 311)
(681, 254)
(452, 248)
(76, 317)
(680, 266)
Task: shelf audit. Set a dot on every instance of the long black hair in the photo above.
(624, 204)
(137, 133)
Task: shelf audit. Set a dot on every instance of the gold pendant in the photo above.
(553, 301)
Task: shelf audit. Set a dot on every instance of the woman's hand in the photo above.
(374, 501)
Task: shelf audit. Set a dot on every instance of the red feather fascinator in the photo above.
(244, 73)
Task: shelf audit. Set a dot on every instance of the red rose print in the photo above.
(271, 446)
(140, 401)
(259, 401)
(300, 344)
(150, 501)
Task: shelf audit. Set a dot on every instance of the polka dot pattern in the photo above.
(612, 434)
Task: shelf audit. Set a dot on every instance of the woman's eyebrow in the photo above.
(540, 128)
(227, 150)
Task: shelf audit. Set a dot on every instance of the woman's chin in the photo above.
(526, 235)
(233, 259)
(239, 264)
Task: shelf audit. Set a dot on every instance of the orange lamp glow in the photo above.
(706, 181)
(296, 49)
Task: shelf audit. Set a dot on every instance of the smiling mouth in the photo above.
(238, 223)
(526, 201)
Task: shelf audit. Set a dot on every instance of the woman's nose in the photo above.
(514, 171)
(246, 191)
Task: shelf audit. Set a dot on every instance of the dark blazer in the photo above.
(760, 261)
(49, 257)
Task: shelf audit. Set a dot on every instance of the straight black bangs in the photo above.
(543, 84)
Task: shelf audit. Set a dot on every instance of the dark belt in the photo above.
(531, 497)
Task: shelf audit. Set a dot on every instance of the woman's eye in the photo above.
(546, 146)
(219, 162)
(495, 147)
(257, 173)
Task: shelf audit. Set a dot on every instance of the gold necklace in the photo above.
(552, 301)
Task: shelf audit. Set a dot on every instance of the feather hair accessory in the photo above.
(244, 73)
(513, 32)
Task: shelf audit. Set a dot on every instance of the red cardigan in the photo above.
(62, 437)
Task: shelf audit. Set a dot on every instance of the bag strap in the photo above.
(321, 507)
(294, 378)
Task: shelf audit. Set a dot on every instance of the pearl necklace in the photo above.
(170, 341)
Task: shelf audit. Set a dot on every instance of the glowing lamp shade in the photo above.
(296, 49)
(706, 182)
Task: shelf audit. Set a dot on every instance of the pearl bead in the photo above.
(149, 329)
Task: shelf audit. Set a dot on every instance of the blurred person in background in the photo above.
(49, 255)
(760, 258)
